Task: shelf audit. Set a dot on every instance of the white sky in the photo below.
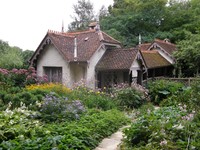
(24, 23)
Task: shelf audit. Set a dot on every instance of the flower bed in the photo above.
(21, 130)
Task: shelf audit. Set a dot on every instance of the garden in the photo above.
(35, 114)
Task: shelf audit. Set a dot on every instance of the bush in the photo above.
(51, 87)
(183, 96)
(162, 89)
(19, 77)
(166, 128)
(29, 98)
(92, 98)
(189, 96)
(130, 98)
(54, 108)
(83, 134)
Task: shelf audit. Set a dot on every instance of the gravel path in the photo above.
(112, 142)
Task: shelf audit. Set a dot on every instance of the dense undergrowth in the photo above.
(174, 125)
(40, 115)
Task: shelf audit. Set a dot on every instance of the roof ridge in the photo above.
(163, 41)
(125, 49)
(79, 32)
(59, 33)
(145, 43)
(151, 51)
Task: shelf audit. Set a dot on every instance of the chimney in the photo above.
(166, 40)
(75, 48)
(92, 25)
(98, 30)
(62, 30)
(140, 39)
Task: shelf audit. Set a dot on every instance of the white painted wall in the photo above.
(134, 67)
(78, 72)
(50, 57)
(90, 77)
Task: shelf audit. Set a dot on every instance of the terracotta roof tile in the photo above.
(87, 43)
(153, 59)
(118, 59)
(144, 46)
(109, 39)
(166, 45)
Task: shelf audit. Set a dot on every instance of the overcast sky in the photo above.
(24, 23)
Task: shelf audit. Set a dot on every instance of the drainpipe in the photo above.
(75, 49)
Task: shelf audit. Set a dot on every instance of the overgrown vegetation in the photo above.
(52, 116)
(21, 130)
(175, 125)
(163, 89)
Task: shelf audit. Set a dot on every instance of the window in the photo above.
(54, 74)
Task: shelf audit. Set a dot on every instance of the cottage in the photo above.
(98, 59)
(158, 59)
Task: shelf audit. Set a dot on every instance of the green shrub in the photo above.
(83, 134)
(162, 89)
(29, 98)
(93, 99)
(183, 96)
(165, 128)
(189, 96)
(54, 108)
(129, 98)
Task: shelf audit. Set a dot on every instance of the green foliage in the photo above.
(188, 55)
(30, 99)
(20, 130)
(13, 57)
(83, 15)
(92, 99)
(130, 98)
(54, 108)
(19, 78)
(133, 17)
(17, 124)
(161, 89)
(166, 128)
(189, 96)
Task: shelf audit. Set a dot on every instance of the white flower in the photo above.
(178, 126)
(162, 143)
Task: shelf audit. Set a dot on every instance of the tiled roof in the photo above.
(118, 59)
(144, 46)
(153, 59)
(109, 39)
(166, 45)
(87, 43)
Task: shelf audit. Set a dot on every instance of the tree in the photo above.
(103, 12)
(84, 14)
(188, 55)
(13, 57)
(26, 55)
(152, 19)
(134, 17)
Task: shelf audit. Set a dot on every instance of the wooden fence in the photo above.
(185, 81)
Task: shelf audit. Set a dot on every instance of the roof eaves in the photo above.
(39, 48)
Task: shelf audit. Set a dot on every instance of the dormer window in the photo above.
(86, 39)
